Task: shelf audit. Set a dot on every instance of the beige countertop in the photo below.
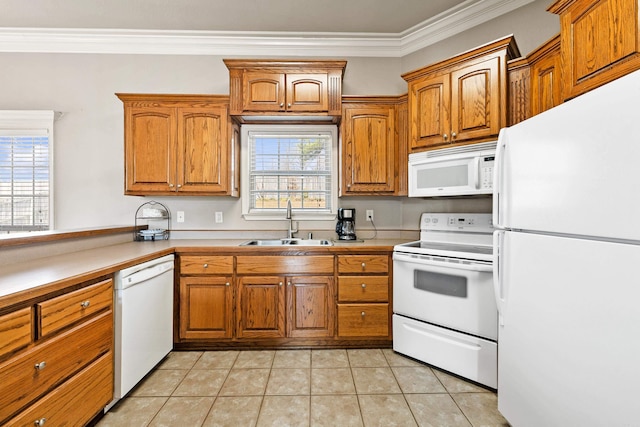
(31, 279)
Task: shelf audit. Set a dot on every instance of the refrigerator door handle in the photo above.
(498, 242)
(498, 172)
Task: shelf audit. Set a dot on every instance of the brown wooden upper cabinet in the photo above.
(291, 88)
(374, 146)
(535, 82)
(179, 145)
(600, 41)
(460, 100)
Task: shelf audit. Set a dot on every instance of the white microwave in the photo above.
(457, 171)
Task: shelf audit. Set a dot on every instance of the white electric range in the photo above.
(444, 307)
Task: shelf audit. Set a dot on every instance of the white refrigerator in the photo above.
(567, 262)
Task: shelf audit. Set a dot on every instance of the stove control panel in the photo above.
(474, 223)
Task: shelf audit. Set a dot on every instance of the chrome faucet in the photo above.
(291, 230)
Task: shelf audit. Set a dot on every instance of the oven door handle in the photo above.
(425, 260)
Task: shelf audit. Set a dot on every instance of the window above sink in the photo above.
(289, 162)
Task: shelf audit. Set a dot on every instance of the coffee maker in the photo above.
(346, 225)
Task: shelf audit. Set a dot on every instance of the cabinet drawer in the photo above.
(63, 356)
(60, 312)
(16, 330)
(206, 264)
(76, 401)
(363, 264)
(363, 288)
(321, 264)
(363, 320)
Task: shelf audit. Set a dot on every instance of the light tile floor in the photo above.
(337, 388)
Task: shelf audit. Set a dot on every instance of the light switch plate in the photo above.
(219, 218)
(180, 216)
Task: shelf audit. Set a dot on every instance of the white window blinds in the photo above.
(296, 165)
(25, 171)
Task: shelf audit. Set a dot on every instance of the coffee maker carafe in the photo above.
(346, 225)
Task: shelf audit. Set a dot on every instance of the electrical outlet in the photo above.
(218, 217)
(180, 216)
(369, 215)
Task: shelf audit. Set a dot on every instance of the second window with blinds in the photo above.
(289, 162)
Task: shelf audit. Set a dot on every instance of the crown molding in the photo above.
(235, 43)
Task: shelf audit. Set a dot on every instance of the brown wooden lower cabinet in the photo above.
(76, 399)
(260, 307)
(310, 307)
(267, 300)
(59, 367)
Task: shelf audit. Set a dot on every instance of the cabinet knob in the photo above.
(280, 284)
(364, 285)
(40, 422)
(289, 105)
(364, 265)
(453, 135)
(205, 265)
(445, 136)
(179, 185)
(226, 284)
(288, 283)
(85, 304)
(170, 185)
(362, 314)
(282, 104)
(40, 366)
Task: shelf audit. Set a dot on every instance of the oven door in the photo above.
(455, 295)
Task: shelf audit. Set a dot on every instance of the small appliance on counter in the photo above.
(346, 225)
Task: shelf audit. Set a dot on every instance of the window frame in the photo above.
(279, 214)
(14, 121)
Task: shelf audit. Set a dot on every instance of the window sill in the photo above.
(296, 217)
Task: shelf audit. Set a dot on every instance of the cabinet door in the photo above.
(307, 92)
(429, 106)
(150, 150)
(545, 83)
(206, 307)
(311, 305)
(600, 42)
(263, 91)
(369, 150)
(260, 307)
(475, 101)
(203, 150)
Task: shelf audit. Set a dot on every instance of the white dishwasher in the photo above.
(143, 321)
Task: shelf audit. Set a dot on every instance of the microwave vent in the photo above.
(473, 148)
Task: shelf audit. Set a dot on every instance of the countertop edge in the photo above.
(30, 280)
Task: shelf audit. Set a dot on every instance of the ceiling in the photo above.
(240, 27)
(342, 16)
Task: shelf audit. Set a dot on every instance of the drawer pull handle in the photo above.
(362, 314)
(205, 265)
(40, 366)
(85, 304)
(40, 422)
(364, 285)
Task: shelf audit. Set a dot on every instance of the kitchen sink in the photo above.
(287, 242)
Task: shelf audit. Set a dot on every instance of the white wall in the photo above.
(531, 26)
(89, 151)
